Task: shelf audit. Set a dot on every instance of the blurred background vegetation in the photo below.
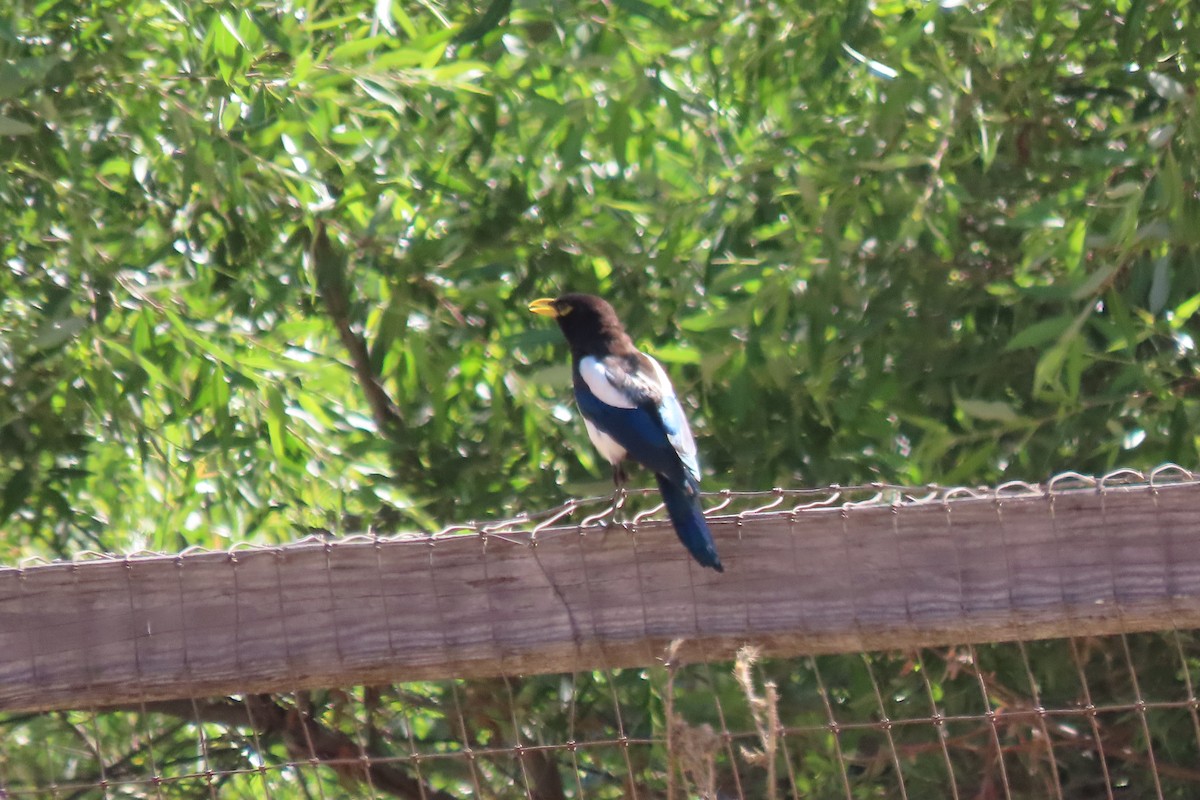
(265, 265)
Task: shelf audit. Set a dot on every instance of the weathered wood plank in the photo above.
(826, 579)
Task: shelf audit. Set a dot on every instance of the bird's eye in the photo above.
(564, 309)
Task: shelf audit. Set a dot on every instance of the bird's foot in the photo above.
(619, 494)
(618, 503)
(610, 516)
(620, 476)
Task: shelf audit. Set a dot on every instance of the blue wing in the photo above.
(678, 432)
(632, 401)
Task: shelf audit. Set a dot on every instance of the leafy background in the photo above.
(266, 265)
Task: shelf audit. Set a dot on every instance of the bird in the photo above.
(630, 410)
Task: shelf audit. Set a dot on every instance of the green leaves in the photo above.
(858, 253)
(1040, 332)
(14, 127)
(898, 242)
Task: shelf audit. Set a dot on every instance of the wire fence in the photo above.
(1096, 716)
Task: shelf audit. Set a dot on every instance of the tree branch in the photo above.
(329, 264)
(305, 739)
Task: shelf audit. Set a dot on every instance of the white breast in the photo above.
(608, 447)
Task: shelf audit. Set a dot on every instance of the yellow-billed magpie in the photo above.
(631, 411)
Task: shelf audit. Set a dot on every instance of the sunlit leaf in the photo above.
(879, 69)
(56, 332)
(1039, 333)
(350, 51)
(988, 410)
(1166, 87)
(14, 127)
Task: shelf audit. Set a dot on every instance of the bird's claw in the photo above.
(611, 517)
(618, 502)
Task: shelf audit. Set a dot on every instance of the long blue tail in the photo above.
(688, 518)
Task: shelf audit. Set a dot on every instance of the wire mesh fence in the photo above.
(1107, 716)
(1097, 717)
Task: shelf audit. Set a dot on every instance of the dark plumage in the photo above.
(631, 411)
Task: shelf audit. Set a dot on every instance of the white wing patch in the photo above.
(613, 453)
(596, 377)
(678, 430)
(648, 384)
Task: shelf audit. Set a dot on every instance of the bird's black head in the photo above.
(588, 322)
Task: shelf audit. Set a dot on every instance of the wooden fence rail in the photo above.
(947, 569)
